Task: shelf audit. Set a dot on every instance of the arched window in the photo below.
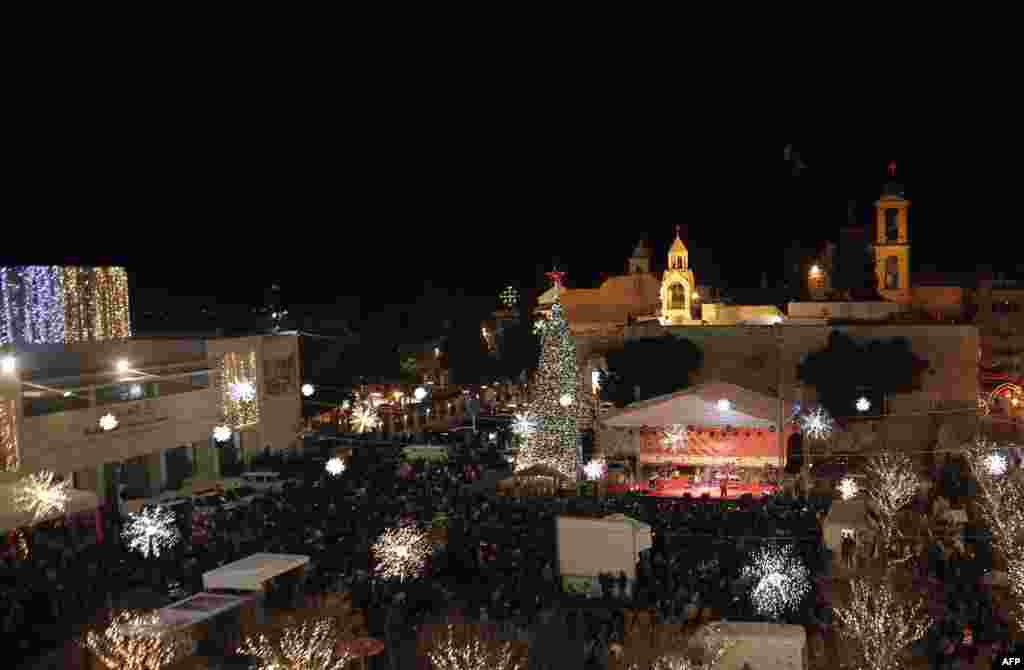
(892, 272)
(677, 296)
(892, 227)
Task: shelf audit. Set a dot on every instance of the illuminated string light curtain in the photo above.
(556, 440)
(307, 645)
(879, 625)
(779, 580)
(137, 641)
(57, 305)
(239, 400)
(41, 496)
(151, 531)
(8, 436)
(401, 553)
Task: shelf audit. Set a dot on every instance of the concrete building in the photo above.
(107, 410)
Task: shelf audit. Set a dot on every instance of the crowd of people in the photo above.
(496, 565)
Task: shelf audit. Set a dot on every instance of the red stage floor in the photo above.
(673, 489)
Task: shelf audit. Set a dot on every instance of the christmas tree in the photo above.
(553, 411)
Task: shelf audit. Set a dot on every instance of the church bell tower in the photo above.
(892, 241)
(677, 287)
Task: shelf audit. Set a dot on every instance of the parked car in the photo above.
(263, 481)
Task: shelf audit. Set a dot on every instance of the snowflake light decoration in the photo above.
(335, 466)
(151, 531)
(817, 425)
(595, 469)
(308, 390)
(222, 433)
(863, 404)
(780, 580)
(848, 488)
(309, 645)
(401, 553)
(469, 652)
(108, 422)
(242, 391)
(676, 437)
(365, 418)
(523, 425)
(995, 463)
(39, 495)
(137, 641)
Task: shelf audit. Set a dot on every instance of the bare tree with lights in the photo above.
(463, 649)
(137, 641)
(302, 645)
(665, 647)
(892, 484)
(878, 625)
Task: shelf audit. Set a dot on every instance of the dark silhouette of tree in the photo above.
(656, 365)
(467, 356)
(844, 371)
(519, 350)
(854, 273)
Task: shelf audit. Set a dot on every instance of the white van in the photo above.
(263, 481)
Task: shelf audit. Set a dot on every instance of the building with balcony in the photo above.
(111, 412)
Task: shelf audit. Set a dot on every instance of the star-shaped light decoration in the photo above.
(39, 495)
(524, 425)
(365, 418)
(995, 463)
(335, 467)
(780, 580)
(595, 469)
(151, 531)
(108, 422)
(863, 404)
(401, 553)
(848, 488)
(817, 425)
(676, 437)
(222, 433)
(242, 391)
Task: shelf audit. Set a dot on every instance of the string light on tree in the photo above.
(307, 645)
(469, 652)
(151, 531)
(863, 404)
(879, 625)
(401, 553)
(108, 422)
(523, 425)
(335, 467)
(780, 580)
(365, 418)
(892, 484)
(1001, 500)
(995, 463)
(817, 425)
(848, 488)
(539, 326)
(556, 440)
(137, 641)
(41, 496)
(676, 437)
(595, 469)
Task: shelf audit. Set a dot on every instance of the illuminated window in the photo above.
(677, 296)
(892, 272)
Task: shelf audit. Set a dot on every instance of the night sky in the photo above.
(218, 203)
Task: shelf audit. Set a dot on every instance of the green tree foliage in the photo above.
(657, 365)
(409, 371)
(844, 371)
(555, 441)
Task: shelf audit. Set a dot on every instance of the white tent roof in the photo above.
(250, 573)
(698, 406)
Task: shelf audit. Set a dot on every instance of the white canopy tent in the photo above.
(252, 572)
(699, 405)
